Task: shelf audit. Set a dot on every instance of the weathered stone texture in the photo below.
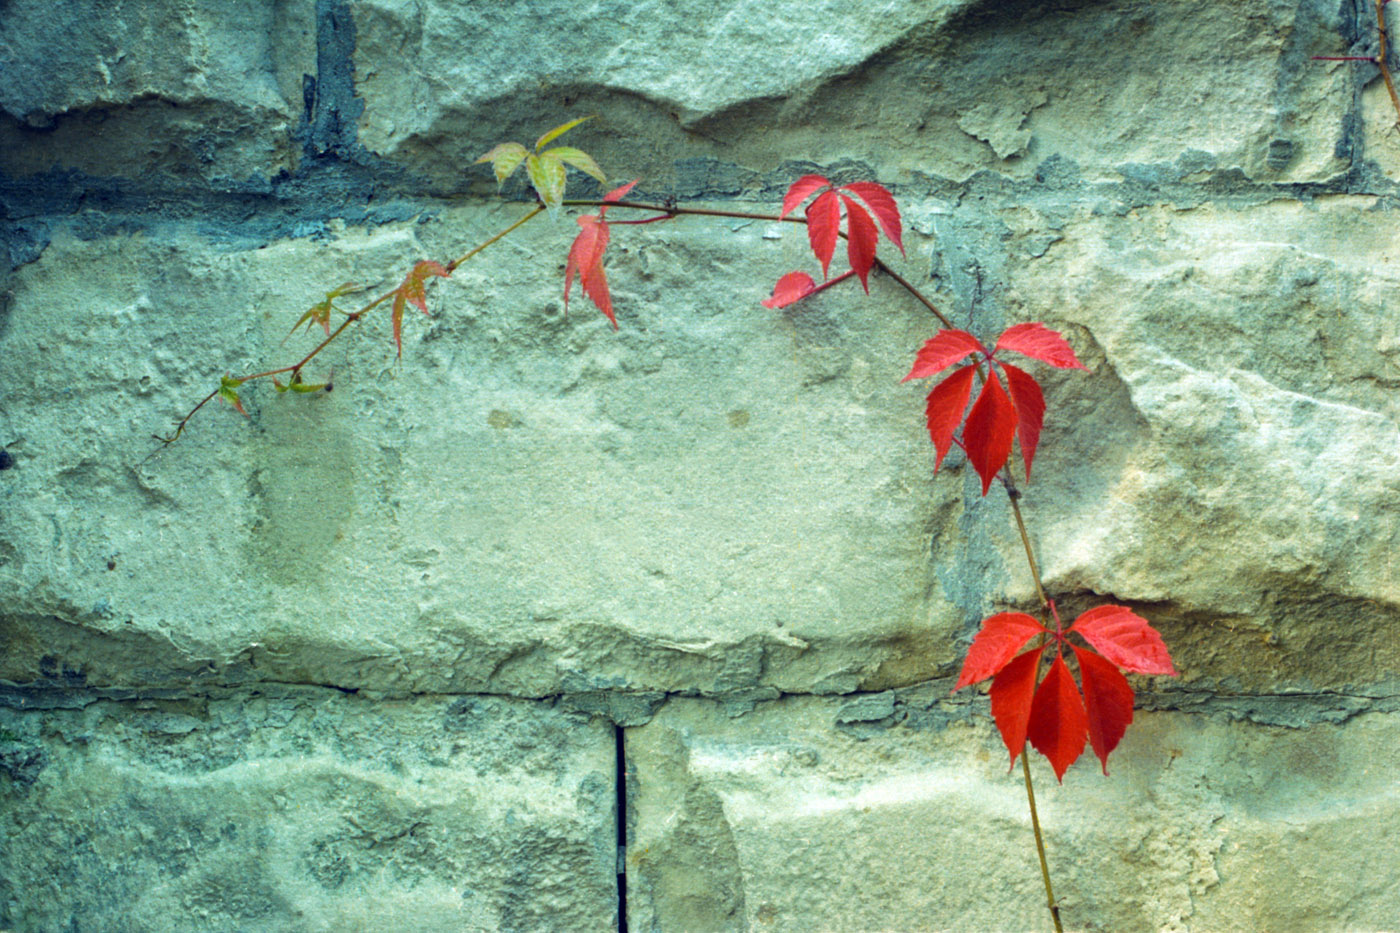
(715, 498)
(895, 812)
(304, 810)
(1251, 487)
(194, 90)
(945, 88)
(718, 512)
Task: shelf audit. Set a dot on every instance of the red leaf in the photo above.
(1000, 638)
(1041, 342)
(882, 203)
(1125, 639)
(1030, 411)
(946, 404)
(990, 427)
(800, 191)
(861, 237)
(616, 195)
(791, 288)
(823, 224)
(586, 257)
(941, 351)
(413, 290)
(1011, 693)
(1108, 700)
(1058, 726)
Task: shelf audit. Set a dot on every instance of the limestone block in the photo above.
(808, 815)
(716, 497)
(1157, 93)
(1232, 463)
(304, 810)
(195, 90)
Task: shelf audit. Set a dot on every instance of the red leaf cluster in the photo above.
(586, 257)
(1053, 716)
(997, 418)
(413, 290)
(858, 200)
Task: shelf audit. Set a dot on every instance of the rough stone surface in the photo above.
(194, 90)
(301, 810)
(716, 527)
(944, 88)
(501, 512)
(809, 814)
(1254, 461)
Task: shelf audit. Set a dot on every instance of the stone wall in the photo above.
(425, 651)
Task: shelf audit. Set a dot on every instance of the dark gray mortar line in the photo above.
(1339, 704)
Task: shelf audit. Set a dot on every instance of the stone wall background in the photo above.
(408, 655)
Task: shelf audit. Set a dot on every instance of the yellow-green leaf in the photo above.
(296, 385)
(504, 159)
(320, 313)
(227, 385)
(579, 160)
(558, 131)
(548, 175)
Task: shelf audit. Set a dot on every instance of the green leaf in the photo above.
(559, 131)
(579, 160)
(227, 385)
(320, 313)
(504, 159)
(296, 385)
(548, 175)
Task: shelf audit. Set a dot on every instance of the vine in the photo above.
(1033, 706)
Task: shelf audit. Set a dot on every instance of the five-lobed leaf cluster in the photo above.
(1052, 714)
(996, 418)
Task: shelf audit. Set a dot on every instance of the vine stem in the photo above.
(668, 211)
(1039, 841)
(350, 318)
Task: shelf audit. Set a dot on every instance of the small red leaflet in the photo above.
(1053, 716)
(996, 418)
(586, 257)
(413, 291)
(824, 223)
